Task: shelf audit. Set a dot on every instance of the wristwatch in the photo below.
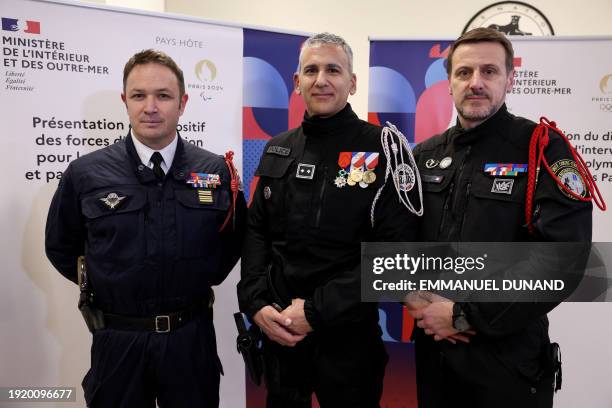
(460, 322)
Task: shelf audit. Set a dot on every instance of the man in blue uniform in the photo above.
(311, 209)
(475, 190)
(159, 222)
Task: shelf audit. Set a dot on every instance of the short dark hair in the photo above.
(157, 57)
(482, 34)
(327, 39)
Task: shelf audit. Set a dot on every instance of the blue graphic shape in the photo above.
(436, 73)
(272, 121)
(263, 85)
(10, 24)
(390, 92)
(252, 150)
(382, 321)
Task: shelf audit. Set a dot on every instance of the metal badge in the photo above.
(112, 200)
(267, 192)
(305, 171)
(340, 181)
(502, 186)
(356, 175)
(431, 163)
(446, 162)
(404, 175)
(279, 150)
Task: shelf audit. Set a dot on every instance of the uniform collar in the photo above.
(460, 135)
(144, 173)
(144, 152)
(317, 126)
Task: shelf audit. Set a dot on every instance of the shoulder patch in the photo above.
(567, 173)
(279, 150)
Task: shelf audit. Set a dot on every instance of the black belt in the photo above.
(162, 323)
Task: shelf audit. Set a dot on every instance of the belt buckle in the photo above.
(162, 318)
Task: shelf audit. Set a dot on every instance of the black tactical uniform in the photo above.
(152, 248)
(303, 241)
(506, 362)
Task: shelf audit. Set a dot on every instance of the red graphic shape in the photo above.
(33, 27)
(434, 52)
(250, 128)
(373, 118)
(407, 325)
(518, 61)
(297, 107)
(433, 111)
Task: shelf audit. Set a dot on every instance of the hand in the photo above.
(295, 318)
(416, 301)
(274, 325)
(437, 319)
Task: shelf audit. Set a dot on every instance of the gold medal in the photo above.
(350, 182)
(369, 177)
(356, 175)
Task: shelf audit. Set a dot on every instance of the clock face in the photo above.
(512, 18)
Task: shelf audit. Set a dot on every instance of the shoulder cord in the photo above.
(539, 142)
(234, 186)
(390, 138)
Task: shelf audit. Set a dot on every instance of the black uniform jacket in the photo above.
(304, 235)
(159, 248)
(462, 204)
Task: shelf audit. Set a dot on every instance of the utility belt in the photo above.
(96, 319)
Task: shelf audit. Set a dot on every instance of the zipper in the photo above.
(467, 200)
(446, 207)
(321, 193)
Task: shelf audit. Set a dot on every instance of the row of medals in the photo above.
(356, 176)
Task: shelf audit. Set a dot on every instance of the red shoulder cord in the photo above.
(539, 141)
(234, 184)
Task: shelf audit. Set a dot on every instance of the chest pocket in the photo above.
(199, 220)
(115, 220)
(499, 200)
(274, 172)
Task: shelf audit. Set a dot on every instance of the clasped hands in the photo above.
(287, 327)
(434, 314)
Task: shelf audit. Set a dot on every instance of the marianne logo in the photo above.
(206, 70)
(27, 26)
(606, 84)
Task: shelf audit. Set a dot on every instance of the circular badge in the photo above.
(267, 192)
(567, 173)
(356, 175)
(405, 177)
(446, 162)
(369, 177)
(512, 18)
(431, 163)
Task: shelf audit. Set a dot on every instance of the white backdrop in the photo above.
(43, 338)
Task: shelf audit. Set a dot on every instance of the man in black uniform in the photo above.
(300, 264)
(475, 183)
(153, 216)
